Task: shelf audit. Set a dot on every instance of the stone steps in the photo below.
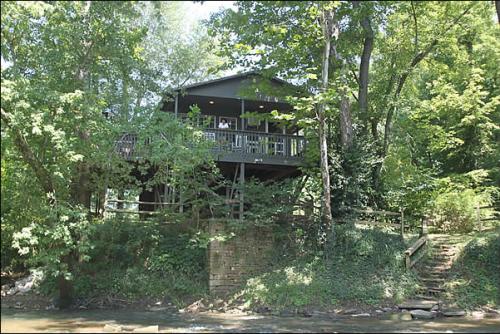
(432, 280)
(426, 297)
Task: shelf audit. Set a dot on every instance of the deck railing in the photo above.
(256, 143)
(237, 143)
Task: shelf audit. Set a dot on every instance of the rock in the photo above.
(50, 307)
(157, 308)
(350, 311)
(286, 313)
(405, 317)
(109, 328)
(435, 308)
(263, 309)
(12, 292)
(491, 310)
(306, 314)
(418, 304)
(361, 315)
(477, 315)
(453, 313)
(421, 314)
(148, 329)
(194, 307)
(319, 313)
(387, 309)
(379, 311)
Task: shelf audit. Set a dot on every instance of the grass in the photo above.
(475, 275)
(364, 269)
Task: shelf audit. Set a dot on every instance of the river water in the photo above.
(90, 321)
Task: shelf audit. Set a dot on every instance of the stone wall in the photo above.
(233, 260)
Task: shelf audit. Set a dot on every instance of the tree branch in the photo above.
(29, 157)
(402, 79)
(416, 25)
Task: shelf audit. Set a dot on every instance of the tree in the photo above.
(64, 66)
(296, 41)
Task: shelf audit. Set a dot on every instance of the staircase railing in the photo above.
(414, 249)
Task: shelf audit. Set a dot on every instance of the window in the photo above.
(232, 122)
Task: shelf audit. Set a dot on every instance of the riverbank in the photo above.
(87, 321)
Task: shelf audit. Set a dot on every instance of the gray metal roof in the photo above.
(230, 77)
(238, 86)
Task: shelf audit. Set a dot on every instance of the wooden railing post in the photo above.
(424, 226)
(402, 223)
(478, 217)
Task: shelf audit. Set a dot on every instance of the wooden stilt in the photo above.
(242, 185)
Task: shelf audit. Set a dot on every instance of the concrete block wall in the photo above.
(233, 260)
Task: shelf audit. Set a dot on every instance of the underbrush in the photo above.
(131, 261)
(364, 268)
(475, 278)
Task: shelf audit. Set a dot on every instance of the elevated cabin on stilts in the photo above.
(245, 145)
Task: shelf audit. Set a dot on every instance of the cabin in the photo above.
(246, 143)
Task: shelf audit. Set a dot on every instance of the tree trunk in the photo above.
(346, 131)
(364, 67)
(325, 170)
(80, 183)
(497, 6)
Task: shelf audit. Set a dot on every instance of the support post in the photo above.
(242, 185)
(242, 112)
(181, 202)
(424, 226)
(176, 105)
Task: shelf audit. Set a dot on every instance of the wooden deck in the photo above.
(239, 146)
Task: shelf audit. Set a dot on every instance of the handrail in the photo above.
(254, 132)
(412, 250)
(381, 212)
(239, 142)
(136, 202)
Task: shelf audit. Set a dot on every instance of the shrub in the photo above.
(455, 211)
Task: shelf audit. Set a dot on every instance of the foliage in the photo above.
(130, 260)
(360, 256)
(66, 231)
(474, 276)
(456, 211)
(269, 202)
(78, 75)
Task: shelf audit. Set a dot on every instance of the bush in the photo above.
(135, 260)
(455, 211)
(56, 242)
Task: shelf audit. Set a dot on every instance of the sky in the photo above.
(196, 12)
(201, 11)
